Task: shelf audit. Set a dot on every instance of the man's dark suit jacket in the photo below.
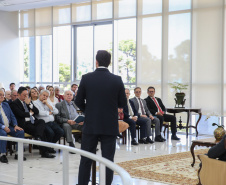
(103, 93)
(152, 107)
(126, 110)
(19, 112)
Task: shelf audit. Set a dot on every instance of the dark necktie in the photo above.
(142, 108)
(26, 110)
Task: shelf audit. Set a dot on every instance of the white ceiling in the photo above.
(15, 5)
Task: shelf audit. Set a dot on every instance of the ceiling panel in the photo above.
(15, 5)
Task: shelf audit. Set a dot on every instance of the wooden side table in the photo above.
(209, 142)
(188, 110)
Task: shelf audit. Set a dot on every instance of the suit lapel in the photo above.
(136, 103)
(65, 108)
(20, 104)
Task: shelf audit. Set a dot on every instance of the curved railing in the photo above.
(126, 179)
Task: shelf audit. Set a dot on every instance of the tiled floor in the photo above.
(40, 171)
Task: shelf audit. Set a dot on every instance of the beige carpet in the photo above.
(168, 169)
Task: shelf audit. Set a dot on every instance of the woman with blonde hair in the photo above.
(52, 97)
(33, 94)
(58, 95)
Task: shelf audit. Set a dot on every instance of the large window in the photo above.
(153, 43)
(62, 54)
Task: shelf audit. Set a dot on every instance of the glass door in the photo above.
(89, 39)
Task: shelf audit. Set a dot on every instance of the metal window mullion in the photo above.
(222, 63)
(52, 45)
(35, 40)
(165, 7)
(191, 41)
(136, 39)
(93, 46)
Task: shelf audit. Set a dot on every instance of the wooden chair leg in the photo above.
(124, 137)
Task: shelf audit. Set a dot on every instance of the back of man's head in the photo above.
(103, 58)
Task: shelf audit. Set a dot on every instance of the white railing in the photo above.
(126, 179)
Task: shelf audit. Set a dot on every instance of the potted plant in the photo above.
(178, 87)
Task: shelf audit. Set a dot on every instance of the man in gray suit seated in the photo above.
(144, 114)
(67, 113)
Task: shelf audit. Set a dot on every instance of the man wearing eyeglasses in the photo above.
(145, 115)
(157, 108)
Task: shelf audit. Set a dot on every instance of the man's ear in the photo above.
(97, 64)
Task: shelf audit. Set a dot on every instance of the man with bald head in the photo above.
(67, 113)
(7, 96)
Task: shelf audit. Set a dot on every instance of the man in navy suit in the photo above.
(100, 94)
(157, 108)
(8, 125)
(132, 118)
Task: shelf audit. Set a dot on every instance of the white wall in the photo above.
(9, 49)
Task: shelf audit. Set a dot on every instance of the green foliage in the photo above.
(127, 60)
(64, 72)
(26, 62)
(178, 86)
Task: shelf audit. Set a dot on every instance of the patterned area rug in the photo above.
(168, 169)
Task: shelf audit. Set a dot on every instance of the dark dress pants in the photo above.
(53, 132)
(218, 151)
(168, 118)
(89, 143)
(132, 127)
(37, 130)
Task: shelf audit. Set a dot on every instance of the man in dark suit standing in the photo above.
(157, 108)
(100, 95)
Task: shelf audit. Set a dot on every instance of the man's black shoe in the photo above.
(149, 140)
(163, 138)
(72, 152)
(134, 142)
(51, 150)
(174, 137)
(158, 139)
(143, 141)
(16, 157)
(71, 144)
(47, 155)
(38, 139)
(119, 135)
(3, 159)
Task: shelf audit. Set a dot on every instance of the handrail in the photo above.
(126, 179)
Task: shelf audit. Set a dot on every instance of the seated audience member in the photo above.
(40, 88)
(157, 108)
(57, 94)
(67, 113)
(28, 88)
(13, 96)
(7, 96)
(145, 115)
(46, 112)
(3, 89)
(12, 86)
(52, 97)
(33, 94)
(25, 111)
(8, 125)
(131, 117)
(47, 87)
(219, 150)
(74, 89)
